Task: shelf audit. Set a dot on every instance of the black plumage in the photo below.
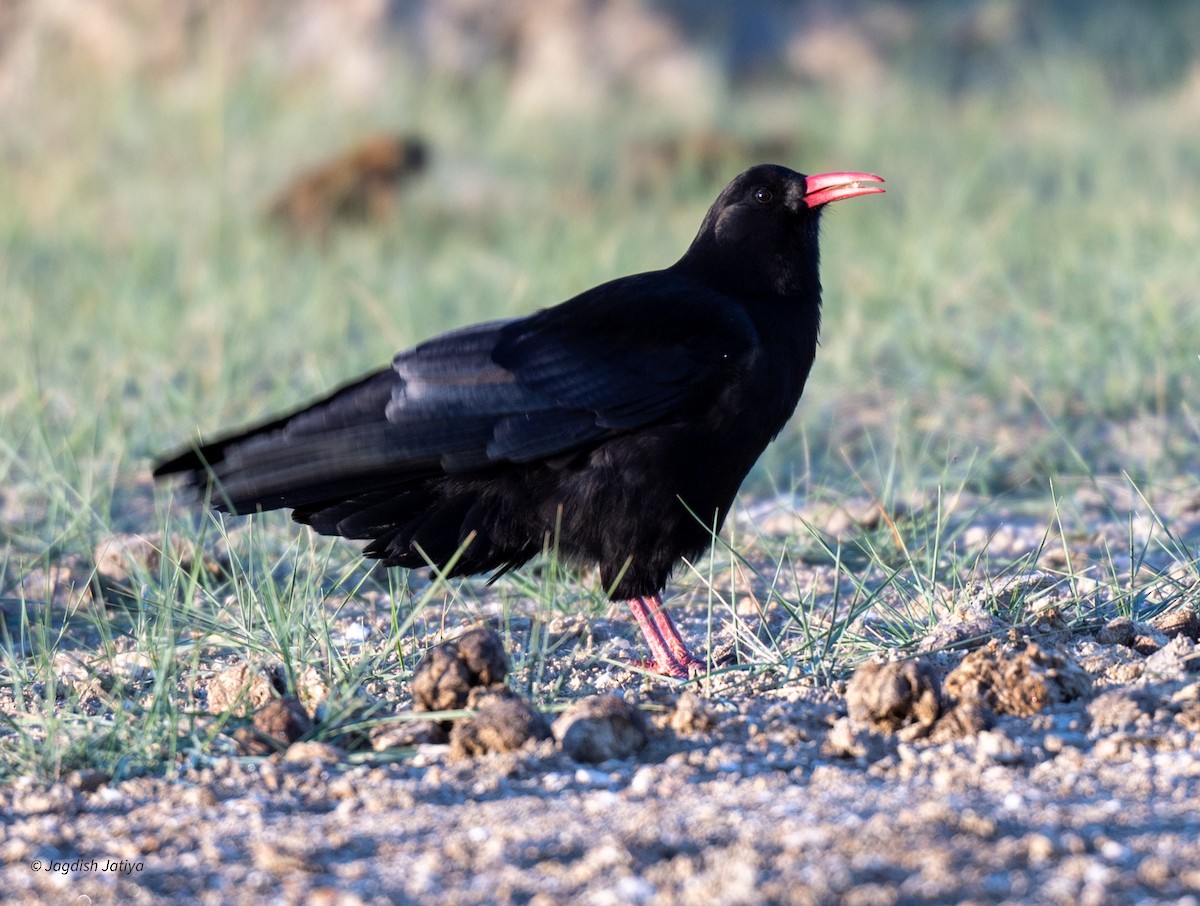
(621, 422)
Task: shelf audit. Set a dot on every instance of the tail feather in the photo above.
(337, 447)
(343, 467)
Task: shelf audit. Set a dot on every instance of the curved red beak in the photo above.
(826, 187)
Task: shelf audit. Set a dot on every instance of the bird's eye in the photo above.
(762, 196)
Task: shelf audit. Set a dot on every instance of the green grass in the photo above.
(1018, 315)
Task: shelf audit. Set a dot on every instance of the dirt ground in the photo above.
(1045, 761)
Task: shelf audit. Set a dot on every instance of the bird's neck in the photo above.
(790, 276)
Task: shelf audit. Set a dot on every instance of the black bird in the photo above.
(618, 424)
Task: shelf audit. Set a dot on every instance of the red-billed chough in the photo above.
(618, 424)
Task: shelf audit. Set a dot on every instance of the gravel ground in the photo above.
(1047, 761)
(1061, 809)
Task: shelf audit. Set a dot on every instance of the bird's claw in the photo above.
(675, 668)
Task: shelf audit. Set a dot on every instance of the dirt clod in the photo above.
(1019, 683)
(1188, 715)
(482, 650)
(241, 690)
(1122, 709)
(1118, 631)
(693, 714)
(891, 696)
(504, 723)
(847, 739)
(88, 780)
(313, 750)
(408, 734)
(120, 559)
(446, 675)
(276, 725)
(1174, 660)
(1181, 621)
(601, 727)
(482, 697)
(964, 720)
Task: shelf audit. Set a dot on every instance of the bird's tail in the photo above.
(335, 449)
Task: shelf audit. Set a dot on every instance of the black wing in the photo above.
(628, 354)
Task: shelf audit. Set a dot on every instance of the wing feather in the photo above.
(623, 356)
(618, 358)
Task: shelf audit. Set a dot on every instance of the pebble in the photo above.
(588, 777)
(643, 782)
(356, 633)
(1000, 748)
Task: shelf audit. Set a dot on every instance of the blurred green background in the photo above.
(1021, 306)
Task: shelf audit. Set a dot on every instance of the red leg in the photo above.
(672, 657)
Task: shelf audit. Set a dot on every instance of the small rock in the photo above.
(590, 777)
(119, 557)
(195, 797)
(240, 690)
(1001, 748)
(853, 516)
(1113, 851)
(1054, 743)
(332, 896)
(311, 688)
(69, 668)
(631, 889)
(63, 585)
(133, 666)
(960, 635)
(970, 624)
(601, 727)
(574, 625)
(1155, 871)
(644, 781)
(1040, 848)
(1186, 703)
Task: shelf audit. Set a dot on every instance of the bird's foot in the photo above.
(673, 667)
(672, 657)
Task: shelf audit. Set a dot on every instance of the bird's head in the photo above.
(760, 235)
